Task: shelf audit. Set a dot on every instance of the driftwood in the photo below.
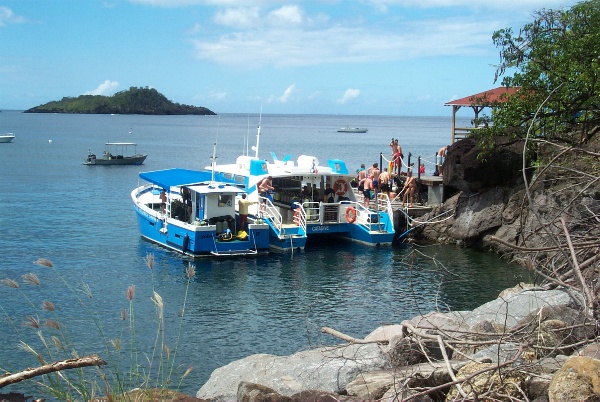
(92, 360)
(344, 337)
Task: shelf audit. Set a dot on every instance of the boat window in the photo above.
(225, 200)
(228, 176)
(239, 179)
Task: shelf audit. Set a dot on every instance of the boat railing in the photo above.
(384, 204)
(272, 212)
(300, 217)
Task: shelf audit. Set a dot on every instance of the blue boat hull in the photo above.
(198, 241)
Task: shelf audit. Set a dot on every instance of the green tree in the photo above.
(555, 62)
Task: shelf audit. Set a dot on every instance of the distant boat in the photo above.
(8, 137)
(116, 153)
(349, 129)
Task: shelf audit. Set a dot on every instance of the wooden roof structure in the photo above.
(478, 102)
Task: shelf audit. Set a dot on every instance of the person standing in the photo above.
(163, 201)
(441, 154)
(384, 181)
(264, 187)
(367, 184)
(375, 172)
(243, 205)
(410, 186)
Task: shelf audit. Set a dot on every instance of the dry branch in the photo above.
(344, 337)
(92, 360)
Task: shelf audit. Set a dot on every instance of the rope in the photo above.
(431, 221)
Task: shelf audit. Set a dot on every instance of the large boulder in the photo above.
(465, 171)
(327, 369)
(577, 380)
(511, 310)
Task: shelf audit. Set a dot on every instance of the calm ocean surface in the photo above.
(81, 218)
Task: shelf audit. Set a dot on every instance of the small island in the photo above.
(132, 101)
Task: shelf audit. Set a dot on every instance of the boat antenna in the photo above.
(258, 134)
(213, 161)
(247, 139)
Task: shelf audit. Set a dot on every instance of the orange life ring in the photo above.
(351, 214)
(341, 187)
(297, 217)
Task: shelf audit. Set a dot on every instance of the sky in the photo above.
(348, 57)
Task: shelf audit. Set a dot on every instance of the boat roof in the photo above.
(200, 181)
(121, 143)
(175, 177)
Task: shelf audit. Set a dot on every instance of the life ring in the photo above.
(341, 187)
(297, 217)
(351, 214)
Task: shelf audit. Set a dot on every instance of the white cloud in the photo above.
(518, 5)
(287, 94)
(286, 16)
(349, 95)
(238, 17)
(106, 88)
(218, 95)
(8, 17)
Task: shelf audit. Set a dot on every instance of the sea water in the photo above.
(81, 218)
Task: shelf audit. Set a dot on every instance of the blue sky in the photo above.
(373, 57)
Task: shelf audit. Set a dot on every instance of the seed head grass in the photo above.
(45, 334)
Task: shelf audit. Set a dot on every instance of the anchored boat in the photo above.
(349, 129)
(7, 137)
(116, 153)
(187, 211)
(308, 194)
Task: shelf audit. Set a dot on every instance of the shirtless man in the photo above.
(263, 190)
(375, 172)
(440, 158)
(384, 181)
(367, 184)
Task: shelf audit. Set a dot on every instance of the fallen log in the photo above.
(92, 360)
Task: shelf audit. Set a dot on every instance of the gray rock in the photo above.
(327, 369)
(371, 385)
(511, 310)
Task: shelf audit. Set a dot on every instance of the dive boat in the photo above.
(116, 153)
(8, 137)
(188, 212)
(349, 129)
(320, 198)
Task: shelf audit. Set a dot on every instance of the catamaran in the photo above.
(317, 198)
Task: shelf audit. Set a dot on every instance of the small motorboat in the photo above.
(116, 153)
(349, 129)
(8, 137)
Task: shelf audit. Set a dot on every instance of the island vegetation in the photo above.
(132, 101)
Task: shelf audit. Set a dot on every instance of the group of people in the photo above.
(372, 180)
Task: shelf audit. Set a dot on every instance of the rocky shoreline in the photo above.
(422, 358)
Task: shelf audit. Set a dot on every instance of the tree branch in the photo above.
(92, 360)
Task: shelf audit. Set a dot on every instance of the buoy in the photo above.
(351, 214)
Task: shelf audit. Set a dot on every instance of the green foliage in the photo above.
(556, 64)
(132, 101)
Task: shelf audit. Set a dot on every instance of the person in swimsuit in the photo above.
(410, 186)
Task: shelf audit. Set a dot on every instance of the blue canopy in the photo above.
(176, 177)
